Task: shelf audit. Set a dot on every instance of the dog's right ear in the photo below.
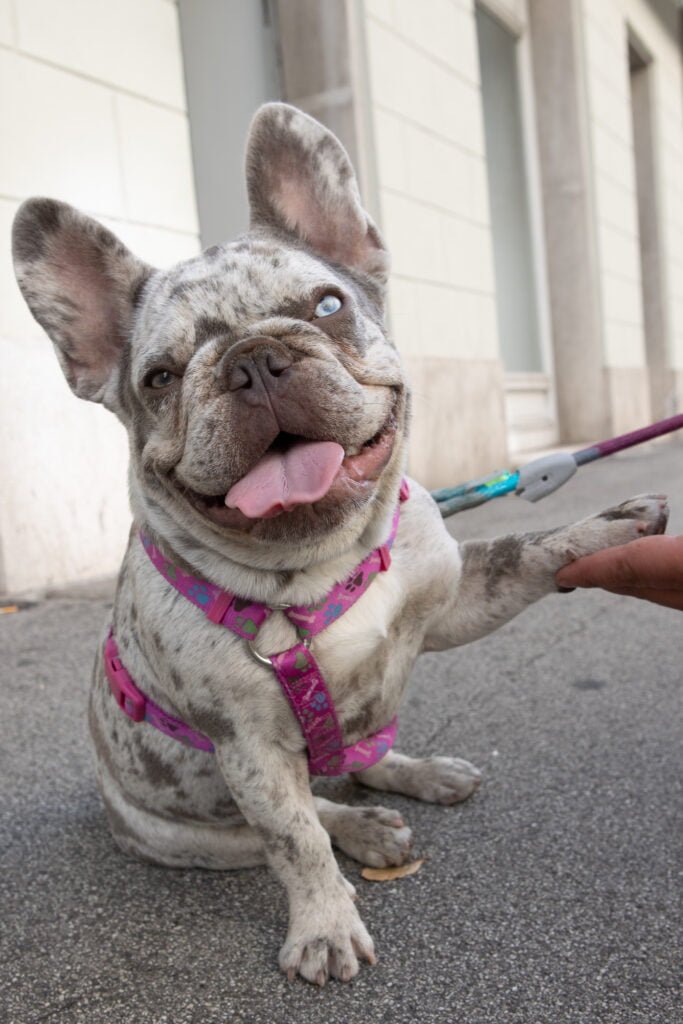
(300, 181)
(81, 285)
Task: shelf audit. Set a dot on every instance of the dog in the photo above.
(279, 580)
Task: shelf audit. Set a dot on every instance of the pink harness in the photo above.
(296, 669)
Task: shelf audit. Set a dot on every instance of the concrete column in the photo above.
(563, 134)
(653, 262)
(231, 67)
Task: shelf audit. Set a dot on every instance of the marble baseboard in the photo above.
(458, 423)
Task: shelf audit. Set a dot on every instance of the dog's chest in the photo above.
(199, 668)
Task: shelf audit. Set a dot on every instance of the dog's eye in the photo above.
(160, 379)
(328, 305)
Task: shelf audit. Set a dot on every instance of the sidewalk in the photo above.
(552, 897)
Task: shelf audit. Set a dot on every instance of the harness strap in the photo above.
(220, 606)
(310, 620)
(304, 687)
(138, 705)
(296, 669)
(246, 617)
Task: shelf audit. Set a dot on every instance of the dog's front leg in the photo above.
(501, 577)
(326, 936)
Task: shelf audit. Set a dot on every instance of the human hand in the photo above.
(650, 568)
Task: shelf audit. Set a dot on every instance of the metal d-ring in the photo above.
(263, 659)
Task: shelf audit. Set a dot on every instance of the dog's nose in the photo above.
(253, 363)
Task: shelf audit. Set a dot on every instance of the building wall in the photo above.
(613, 170)
(425, 105)
(611, 140)
(656, 25)
(423, 76)
(92, 111)
(630, 370)
(606, 29)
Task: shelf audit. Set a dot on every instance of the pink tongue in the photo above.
(281, 480)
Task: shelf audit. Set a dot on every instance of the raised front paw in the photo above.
(326, 941)
(637, 517)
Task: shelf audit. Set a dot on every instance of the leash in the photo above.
(543, 476)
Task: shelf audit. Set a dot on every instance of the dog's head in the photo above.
(264, 403)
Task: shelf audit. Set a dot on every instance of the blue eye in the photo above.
(328, 305)
(160, 379)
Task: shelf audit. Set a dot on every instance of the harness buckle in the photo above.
(219, 607)
(384, 557)
(126, 694)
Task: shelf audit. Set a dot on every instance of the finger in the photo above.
(651, 562)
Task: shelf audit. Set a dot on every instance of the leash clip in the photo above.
(545, 475)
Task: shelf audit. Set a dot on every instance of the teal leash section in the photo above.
(475, 492)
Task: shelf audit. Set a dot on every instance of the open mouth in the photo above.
(296, 471)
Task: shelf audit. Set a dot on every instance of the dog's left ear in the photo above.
(301, 182)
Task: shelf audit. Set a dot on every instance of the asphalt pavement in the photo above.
(553, 896)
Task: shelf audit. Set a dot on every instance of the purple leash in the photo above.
(617, 444)
(543, 476)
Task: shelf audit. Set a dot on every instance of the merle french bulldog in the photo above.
(275, 592)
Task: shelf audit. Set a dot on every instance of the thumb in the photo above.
(651, 562)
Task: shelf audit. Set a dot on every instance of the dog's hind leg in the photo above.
(372, 835)
(174, 842)
(437, 780)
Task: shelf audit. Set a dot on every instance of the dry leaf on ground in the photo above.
(389, 874)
